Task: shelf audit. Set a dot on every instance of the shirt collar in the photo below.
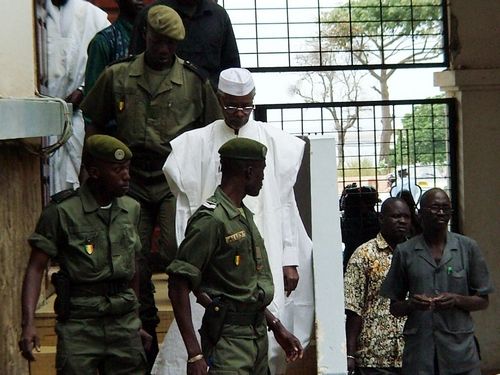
(90, 204)
(382, 243)
(227, 204)
(451, 242)
(137, 68)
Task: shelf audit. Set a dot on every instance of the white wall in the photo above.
(17, 56)
(327, 259)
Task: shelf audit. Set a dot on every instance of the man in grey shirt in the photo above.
(445, 277)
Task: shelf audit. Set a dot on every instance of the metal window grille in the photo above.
(420, 153)
(302, 35)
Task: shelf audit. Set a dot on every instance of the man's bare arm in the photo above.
(353, 327)
(178, 292)
(30, 293)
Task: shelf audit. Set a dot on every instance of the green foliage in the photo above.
(354, 167)
(387, 31)
(424, 137)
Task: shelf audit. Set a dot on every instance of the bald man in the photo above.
(446, 278)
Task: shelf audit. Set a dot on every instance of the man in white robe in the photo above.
(68, 27)
(193, 172)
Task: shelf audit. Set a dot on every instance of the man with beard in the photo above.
(193, 172)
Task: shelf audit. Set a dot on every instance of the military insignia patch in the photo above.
(209, 204)
(89, 248)
(119, 154)
(236, 236)
(121, 104)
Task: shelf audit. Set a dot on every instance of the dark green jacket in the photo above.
(92, 245)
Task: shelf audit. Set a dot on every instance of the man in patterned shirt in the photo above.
(374, 336)
(111, 44)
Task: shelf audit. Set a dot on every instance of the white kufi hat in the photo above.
(236, 82)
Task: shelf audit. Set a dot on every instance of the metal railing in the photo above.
(304, 35)
(420, 153)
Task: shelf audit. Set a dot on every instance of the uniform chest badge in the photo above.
(121, 104)
(89, 248)
(236, 236)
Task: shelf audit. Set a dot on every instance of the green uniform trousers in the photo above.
(241, 350)
(110, 344)
(157, 208)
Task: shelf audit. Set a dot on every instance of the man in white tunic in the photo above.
(193, 172)
(69, 26)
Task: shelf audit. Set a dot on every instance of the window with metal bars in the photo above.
(420, 154)
(298, 35)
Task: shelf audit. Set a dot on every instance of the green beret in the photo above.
(244, 149)
(165, 21)
(107, 148)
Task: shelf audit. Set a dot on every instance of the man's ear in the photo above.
(248, 171)
(93, 172)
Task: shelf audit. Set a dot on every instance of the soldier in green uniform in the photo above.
(92, 233)
(152, 98)
(224, 261)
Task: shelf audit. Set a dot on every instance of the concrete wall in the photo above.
(474, 80)
(19, 179)
(17, 59)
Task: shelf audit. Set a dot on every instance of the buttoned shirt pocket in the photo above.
(131, 114)
(457, 282)
(123, 243)
(185, 114)
(87, 252)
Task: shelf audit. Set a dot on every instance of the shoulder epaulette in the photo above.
(124, 59)
(196, 69)
(63, 195)
(210, 204)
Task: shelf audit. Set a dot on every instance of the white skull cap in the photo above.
(236, 82)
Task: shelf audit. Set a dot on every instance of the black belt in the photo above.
(99, 289)
(244, 319)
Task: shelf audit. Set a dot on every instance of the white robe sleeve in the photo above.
(289, 151)
(172, 172)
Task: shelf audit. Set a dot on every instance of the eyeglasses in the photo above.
(232, 110)
(437, 209)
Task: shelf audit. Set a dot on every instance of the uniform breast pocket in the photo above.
(186, 111)
(130, 112)
(87, 250)
(457, 282)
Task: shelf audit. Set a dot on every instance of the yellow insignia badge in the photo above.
(121, 105)
(237, 260)
(89, 248)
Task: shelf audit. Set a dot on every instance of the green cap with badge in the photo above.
(107, 148)
(243, 149)
(166, 21)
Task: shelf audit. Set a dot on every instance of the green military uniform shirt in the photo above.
(92, 245)
(223, 254)
(146, 120)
